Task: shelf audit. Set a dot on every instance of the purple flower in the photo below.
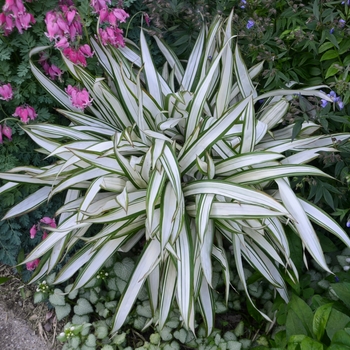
(324, 103)
(332, 31)
(250, 24)
(348, 223)
(243, 3)
(335, 99)
(342, 23)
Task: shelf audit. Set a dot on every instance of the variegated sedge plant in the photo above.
(177, 162)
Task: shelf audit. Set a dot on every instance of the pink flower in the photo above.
(86, 50)
(23, 21)
(14, 5)
(6, 92)
(62, 24)
(51, 25)
(79, 98)
(15, 15)
(32, 265)
(119, 14)
(112, 36)
(48, 221)
(54, 72)
(33, 231)
(25, 113)
(1, 140)
(75, 56)
(104, 15)
(75, 28)
(70, 14)
(98, 5)
(62, 43)
(45, 234)
(7, 131)
(147, 19)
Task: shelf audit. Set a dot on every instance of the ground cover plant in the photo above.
(177, 167)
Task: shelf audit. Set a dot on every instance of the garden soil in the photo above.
(24, 325)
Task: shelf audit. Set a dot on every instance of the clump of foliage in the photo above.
(176, 166)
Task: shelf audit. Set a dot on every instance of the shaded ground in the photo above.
(24, 325)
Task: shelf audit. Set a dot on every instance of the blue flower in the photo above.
(342, 23)
(324, 103)
(332, 31)
(243, 3)
(335, 99)
(250, 24)
(348, 223)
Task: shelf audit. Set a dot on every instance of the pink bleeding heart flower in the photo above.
(104, 15)
(70, 14)
(32, 265)
(119, 15)
(23, 21)
(6, 92)
(54, 72)
(33, 231)
(7, 23)
(86, 50)
(79, 98)
(48, 221)
(7, 131)
(147, 19)
(75, 56)
(98, 5)
(62, 43)
(1, 140)
(112, 36)
(51, 25)
(25, 113)
(45, 234)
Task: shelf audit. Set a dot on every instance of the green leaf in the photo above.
(342, 290)
(340, 340)
(304, 314)
(329, 55)
(294, 326)
(325, 46)
(336, 321)
(310, 344)
(4, 279)
(320, 320)
(332, 70)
